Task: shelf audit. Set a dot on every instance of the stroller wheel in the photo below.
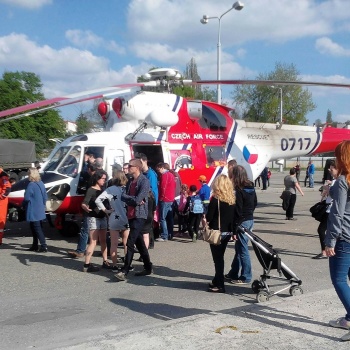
(295, 290)
(262, 297)
(256, 286)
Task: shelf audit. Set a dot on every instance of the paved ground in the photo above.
(46, 302)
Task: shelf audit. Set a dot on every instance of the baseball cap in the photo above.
(203, 178)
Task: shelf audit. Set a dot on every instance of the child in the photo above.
(182, 214)
(195, 206)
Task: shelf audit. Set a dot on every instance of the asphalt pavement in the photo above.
(47, 302)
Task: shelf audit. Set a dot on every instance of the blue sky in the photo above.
(77, 45)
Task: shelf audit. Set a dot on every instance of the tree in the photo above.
(21, 88)
(84, 125)
(262, 103)
(329, 119)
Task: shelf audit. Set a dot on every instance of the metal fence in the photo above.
(319, 162)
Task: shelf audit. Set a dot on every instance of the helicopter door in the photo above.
(154, 153)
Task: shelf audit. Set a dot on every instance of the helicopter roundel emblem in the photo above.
(250, 154)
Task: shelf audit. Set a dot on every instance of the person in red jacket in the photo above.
(5, 189)
(166, 193)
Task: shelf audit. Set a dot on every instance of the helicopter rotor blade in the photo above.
(268, 82)
(56, 102)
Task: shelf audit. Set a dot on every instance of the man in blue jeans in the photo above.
(311, 172)
(167, 186)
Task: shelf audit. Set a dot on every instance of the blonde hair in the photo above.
(33, 175)
(223, 189)
(119, 178)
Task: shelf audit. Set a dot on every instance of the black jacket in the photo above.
(227, 215)
(246, 203)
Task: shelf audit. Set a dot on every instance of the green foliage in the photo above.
(84, 125)
(21, 88)
(329, 119)
(262, 103)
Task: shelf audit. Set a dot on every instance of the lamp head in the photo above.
(238, 5)
(204, 20)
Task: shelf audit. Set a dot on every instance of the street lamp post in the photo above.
(238, 5)
(281, 103)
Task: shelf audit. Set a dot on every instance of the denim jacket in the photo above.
(141, 195)
(338, 224)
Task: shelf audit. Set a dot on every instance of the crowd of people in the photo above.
(127, 206)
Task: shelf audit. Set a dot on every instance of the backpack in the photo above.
(196, 205)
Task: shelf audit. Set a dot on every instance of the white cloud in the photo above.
(30, 4)
(63, 71)
(178, 22)
(87, 39)
(327, 46)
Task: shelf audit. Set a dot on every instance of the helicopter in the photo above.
(194, 137)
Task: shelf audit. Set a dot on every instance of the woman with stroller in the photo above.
(246, 201)
(337, 239)
(221, 204)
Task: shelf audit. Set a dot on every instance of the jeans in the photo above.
(166, 219)
(38, 234)
(339, 268)
(311, 180)
(218, 252)
(84, 235)
(241, 267)
(136, 238)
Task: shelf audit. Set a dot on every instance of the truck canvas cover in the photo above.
(16, 153)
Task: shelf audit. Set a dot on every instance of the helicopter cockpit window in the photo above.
(56, 159)
(70, 165)
(212, 119)
(215, 155)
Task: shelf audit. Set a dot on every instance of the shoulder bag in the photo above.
(210, 235)
(319, 210)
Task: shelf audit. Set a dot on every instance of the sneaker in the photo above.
(74, 254)
(227, 277)
(194, 238)
(42, 250)
(121, 276)
(346, 337)
(90, 268)
(239, 282)
(160, 239)
(115, 268)
(320, 256)
(144, 272)
(106, 265)
(340, 323)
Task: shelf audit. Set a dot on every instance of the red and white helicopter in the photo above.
(194, 137)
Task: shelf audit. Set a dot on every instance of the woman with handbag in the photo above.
(220, 216)
(322, 227)
(337, 239)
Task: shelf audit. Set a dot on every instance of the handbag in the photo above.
(210, 235)
(319, 210)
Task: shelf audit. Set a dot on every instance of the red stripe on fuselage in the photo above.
(331, 137)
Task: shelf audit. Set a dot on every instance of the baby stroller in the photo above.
(270, 260)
